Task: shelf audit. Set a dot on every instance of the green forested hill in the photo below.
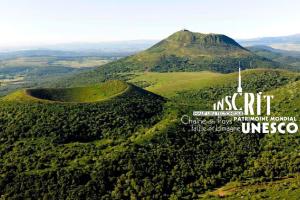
(274, 172)
(183, 51)
(133, 146)
(190, 51)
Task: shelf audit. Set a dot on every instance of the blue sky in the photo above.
(31, 22)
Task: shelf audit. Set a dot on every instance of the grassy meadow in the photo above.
(169, 84)
(285, 188)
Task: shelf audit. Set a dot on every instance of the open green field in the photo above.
(84, 62)
(53, 61)
(168, 84)
(285, 188)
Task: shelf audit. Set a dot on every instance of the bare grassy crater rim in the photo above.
(93, 93)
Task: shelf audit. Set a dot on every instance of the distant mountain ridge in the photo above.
(88, 47)
(286, 58)
(269, 48)
(61, 53)
(289, 43)
(271, 40)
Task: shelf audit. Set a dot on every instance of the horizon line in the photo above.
(42, 44)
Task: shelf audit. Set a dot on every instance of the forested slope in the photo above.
(134, 147)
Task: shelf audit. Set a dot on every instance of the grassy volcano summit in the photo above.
(187, 43)
(190, 51)
(77, 94)
(183, 51)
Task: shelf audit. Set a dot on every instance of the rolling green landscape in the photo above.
(35, 68)
(291, 58)
(115, 131)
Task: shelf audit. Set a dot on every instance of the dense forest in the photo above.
(133, 146)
